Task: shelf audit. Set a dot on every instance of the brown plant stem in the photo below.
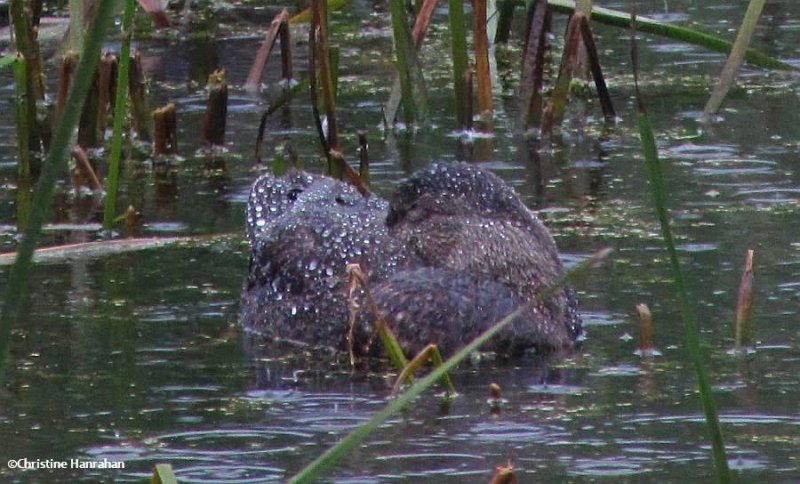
(85, 168)
(278, 27)
(529, 104)
(744, 303)
(165, 122)
(68, 63)
(645, 328)
(140, 108)
(213, 130)
(484, 81)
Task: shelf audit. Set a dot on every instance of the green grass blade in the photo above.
(163, 474)
(695, 37)
(655, 178)
(728, 76)
(22, 111)
(335, 453)
(412, 83)
(54, 164)
(120, 109)
(656, 181)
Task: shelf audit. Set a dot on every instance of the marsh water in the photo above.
(137, 357)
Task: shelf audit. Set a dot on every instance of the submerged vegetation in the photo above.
(541, 103)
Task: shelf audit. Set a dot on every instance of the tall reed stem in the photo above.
(55, 163)
(657, 188)
(728, 76)
(482, 74)
(412, 83)
(22, 111)
(458, 46)
(120, 108)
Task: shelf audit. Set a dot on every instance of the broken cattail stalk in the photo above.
(140, 109)
(68, 63)
(347, 173)
(569, 60)
(85, 168)
(645, 329)
(131, 221)
(213, 131)
(363, 157)
(495, 399)
(744, 303)
(727, 77)
(356, 277)
(165, 122)
(428, 354)
(484, 80)
(504, 475)
(529, 106)
(278, 25)
(106, 86)
(597, 71)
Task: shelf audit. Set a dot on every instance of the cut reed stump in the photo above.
(645, 330)
(213, 131)
(504, 475)
(744, 336)
(140, 109)
(107, 88)
(68, 63)
(165, 123)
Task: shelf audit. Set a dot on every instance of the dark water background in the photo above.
(132, 357)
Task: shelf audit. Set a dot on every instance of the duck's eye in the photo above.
(340, 200)
(293, 193)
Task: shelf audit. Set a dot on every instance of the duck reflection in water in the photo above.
(453, 251)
